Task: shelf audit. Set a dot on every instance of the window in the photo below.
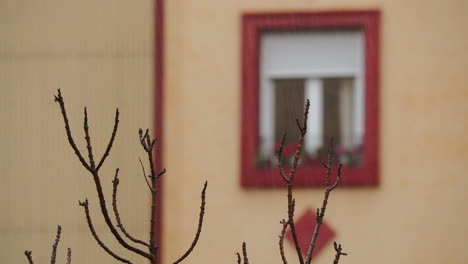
(330, 58)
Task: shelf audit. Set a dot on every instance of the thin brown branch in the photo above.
(54, 249)
(284, 223)
(69, 252)
(29, 256)
(290, 179)
(200, 223)
(303, 131)
(244, 253)
(111, 141)
(88, 140)
(280, 158)
(321, 211)
(338, 179)
(95, 174)
(148, 146)
(328, 165)
(298, 124)
(105, 213)
(144, 175)
(96, 237)
(59, 100)
(292, 226)
(160, 173)
(54, 246)
(339, 252)
(116, 211)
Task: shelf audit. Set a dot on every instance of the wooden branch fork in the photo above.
(54, 250)
(150, 247)
(291, 202)
(93, 166)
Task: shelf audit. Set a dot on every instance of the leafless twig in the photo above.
(200, 223)
(116, 211)
(339, 252)
(69, 252)
(54, 249)
(95, 170)
(88, 140)
(290, 179)
(285, 224)
(321, 211)
(54, 246)
(144, 175)
(244, 253)
(96, 237)
(148, 146)
(28, 255)
(90, 165)
(111, 141)
(59, 100)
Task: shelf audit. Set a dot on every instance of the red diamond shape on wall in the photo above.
(305, 229)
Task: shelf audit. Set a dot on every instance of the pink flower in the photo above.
(340, 149)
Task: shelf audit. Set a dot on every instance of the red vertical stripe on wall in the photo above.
(158, 112)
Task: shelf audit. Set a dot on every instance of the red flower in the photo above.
(288, 150)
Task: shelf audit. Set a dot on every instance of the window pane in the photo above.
(289, 102)
(324, 66)
(339, 119)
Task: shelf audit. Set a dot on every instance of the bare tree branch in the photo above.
(54, 246)
(292, 226)
(95, 174)
(200, 223)
(290, 179)
(339, 252)
(160, 173)
(303, 131)
(54, 249)
(88, 140)
(111, 141)
(28, 255)
(108, 221)
(144, 175)
(321, 211)
(69, 252)
(280, 158)
(328, 165)
(59, 100)
(116, 211)
(244, 253)
(284, 223)
(96, 237)
(148, 146)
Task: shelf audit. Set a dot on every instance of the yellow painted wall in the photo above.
(417, 214)
(100, 54)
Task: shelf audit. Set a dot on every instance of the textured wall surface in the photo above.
(417, 214)
(101, 54)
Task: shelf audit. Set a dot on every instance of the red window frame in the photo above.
(253, 24)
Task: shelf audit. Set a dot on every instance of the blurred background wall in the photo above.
(101, 54)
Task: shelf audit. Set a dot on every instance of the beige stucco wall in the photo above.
(100, 54)
(417, 214)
